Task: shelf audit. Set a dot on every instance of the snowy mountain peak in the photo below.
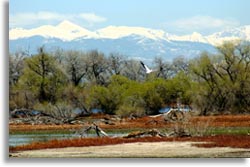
(239, 33)
(115, 32)
(68, 31)
(65, 31)
(194, 37)
(72, 31)
(67, 25)
(197, 37)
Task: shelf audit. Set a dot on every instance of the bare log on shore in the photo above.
(152, 133)
(174, 115)
(96, 128)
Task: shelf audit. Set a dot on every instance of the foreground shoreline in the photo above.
(229, 137)
(136, 150)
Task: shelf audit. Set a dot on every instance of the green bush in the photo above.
(126, 111)
(58, 110)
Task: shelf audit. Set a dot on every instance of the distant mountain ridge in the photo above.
(136, 42)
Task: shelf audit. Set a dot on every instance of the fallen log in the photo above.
(94, 127)
(152, 132)
(151, 122)
(174, 115)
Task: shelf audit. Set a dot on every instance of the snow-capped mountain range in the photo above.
(132, 41)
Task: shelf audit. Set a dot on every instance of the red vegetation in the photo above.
(147, 122)
(82, 142)
(224, 120)
(235, 141)
(212, 141)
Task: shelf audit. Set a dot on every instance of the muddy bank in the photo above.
(137, 150)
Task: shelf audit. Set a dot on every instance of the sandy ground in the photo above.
(137, 150)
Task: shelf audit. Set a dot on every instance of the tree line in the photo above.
(60, 82)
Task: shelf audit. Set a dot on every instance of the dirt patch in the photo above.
(137, 150)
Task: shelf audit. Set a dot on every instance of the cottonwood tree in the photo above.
(115, 63)
(59, 55)
(97, 67)
(223, 79)
(165, 69)
(18, 97)
(77, 98)
(207, 89)
(76, 66)
(180, 64)
(16, 64)
(42, 76)
(236, 70)
(133, 70)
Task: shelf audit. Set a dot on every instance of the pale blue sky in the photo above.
(174, 16)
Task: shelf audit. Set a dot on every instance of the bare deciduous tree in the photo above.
(97, 67)
(76, 66)
(16, 64)
(115, 63)
(133, 70)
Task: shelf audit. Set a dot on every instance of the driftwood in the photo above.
(26, 113)
(39, 120)
(174, 115)
(152, 122)
(177, 132)
(99, 132)
(94, 127)
(107, 121)
(152, 132)
(27, 116)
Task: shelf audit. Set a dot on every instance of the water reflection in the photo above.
(18, 139)
(21, 139)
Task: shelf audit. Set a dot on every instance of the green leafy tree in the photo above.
(101, 98)
(223, 79)
(154, 95)
(42, 77)
(132, 102)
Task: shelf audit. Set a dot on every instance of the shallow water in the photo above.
(22, 139)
